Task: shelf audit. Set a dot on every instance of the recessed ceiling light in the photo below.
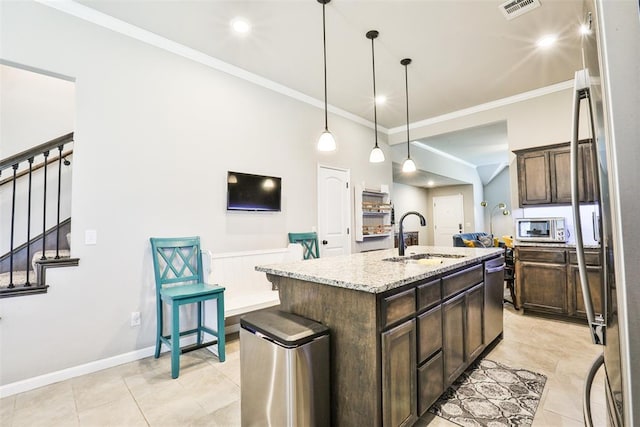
(585, 29)
(381, 99)
(240, 25)
(547, 41)
(430, 183)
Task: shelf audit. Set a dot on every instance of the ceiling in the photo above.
(464, 52)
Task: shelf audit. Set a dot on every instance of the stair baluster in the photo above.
(13, 223)
(59, 184)
(27, 283)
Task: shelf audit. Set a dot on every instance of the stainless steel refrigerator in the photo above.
(608, 88)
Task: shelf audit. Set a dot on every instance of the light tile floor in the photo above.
(207, 393)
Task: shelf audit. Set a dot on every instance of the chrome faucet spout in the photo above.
(401, 244)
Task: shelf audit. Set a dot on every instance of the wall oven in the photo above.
(549, 230)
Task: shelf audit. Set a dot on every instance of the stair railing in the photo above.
(15, 162)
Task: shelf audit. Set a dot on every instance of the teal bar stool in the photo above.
(309, 242)
(177, 264)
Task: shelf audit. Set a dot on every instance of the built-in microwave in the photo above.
(551, 230)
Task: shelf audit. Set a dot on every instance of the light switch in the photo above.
(90, 237)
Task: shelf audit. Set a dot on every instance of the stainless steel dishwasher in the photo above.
(493, 297)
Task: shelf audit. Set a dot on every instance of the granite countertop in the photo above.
(553, 245)
(369, 272)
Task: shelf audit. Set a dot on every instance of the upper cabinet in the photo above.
(544, 174)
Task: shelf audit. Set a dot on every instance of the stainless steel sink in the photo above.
(414, 257)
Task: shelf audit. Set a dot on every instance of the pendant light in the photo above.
(408, 165)
(376, 156)
(326, 141)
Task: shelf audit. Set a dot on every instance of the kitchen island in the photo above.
(402, 328)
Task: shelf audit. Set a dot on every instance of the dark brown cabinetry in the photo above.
(474, 326)
(594, 274)
(534, 185)
(430, 374)
(430, 382)
(399, 403)
(548, 281)
(453, 334)
(541, 276)
(544, 174)
(392, 345)
(462, 330)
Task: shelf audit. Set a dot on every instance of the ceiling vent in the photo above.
(512, 8)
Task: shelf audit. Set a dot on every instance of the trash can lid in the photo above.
(287, 329)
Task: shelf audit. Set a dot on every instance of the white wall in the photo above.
(497, 191)
(436, 163)
(409, 198)
(533, 122)
(155, 135)
(35, 108)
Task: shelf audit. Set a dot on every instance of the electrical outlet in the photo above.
(135, 318)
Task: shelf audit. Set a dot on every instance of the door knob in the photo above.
(324, 242)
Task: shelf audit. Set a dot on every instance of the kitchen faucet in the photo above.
(401, 245)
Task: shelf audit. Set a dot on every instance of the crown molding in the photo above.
(121, 27)
(558, 87)
(124, 28)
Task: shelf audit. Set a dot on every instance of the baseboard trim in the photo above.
(75, 371)
(95, 366)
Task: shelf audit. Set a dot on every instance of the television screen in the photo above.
(247, 192)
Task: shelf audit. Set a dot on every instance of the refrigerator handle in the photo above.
(586, 392)
(581, 91)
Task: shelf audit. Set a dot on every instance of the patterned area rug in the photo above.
(493, 395)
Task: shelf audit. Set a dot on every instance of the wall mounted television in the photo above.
(248, 192)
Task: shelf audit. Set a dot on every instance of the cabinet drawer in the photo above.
(430, 383)
(429, 333)
(552, 256)
(462, 280)
(592, 258)
(397, 307)
(429, 294)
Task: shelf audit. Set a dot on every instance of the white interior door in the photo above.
(334, 211)
(448, 217)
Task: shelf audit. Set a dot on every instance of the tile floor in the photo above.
(207, 392)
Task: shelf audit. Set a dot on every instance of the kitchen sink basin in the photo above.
(415, 257)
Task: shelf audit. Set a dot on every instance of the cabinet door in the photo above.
(429, 333)
(474, 331)
(560, 175)
(594, 274)
(542, 287)
(430, 382)
(533, 178)
(399, 391)
(589, 173)
(453, 342)
(560, 169)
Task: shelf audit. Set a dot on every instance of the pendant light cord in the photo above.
(324, 43)
(406, 89)
(375, 113)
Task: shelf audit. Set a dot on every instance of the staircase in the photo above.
(33, 176)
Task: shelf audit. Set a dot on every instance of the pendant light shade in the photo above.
(326, 142)
(408, 165)
(376, 156)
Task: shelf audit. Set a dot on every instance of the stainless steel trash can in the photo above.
(284, 370)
